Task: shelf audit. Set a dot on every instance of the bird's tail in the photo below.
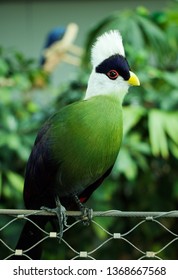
(30, 237)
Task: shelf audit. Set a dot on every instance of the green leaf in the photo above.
(4, 68)
(13, 141)
(22, 81)
(157, 134)
(170, 78)
(161, 126)
(15, 180)
(154, 35)
(125, 164)
(171, 125)
(131, 116)
(174, 149)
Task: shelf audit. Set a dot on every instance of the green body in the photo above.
(84, 139)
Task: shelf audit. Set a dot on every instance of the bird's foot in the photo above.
(87, 213)
(60, 212)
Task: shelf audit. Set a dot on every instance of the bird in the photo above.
(59, 47)
(56, 34)
(76, 148)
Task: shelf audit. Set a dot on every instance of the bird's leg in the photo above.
(87, 213)
(60, 213)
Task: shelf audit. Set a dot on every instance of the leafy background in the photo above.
(145, 176)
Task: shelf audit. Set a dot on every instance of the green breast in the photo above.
(85, 138)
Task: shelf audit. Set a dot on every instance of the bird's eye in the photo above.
(112, 74)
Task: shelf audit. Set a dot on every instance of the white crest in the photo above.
(108, 44)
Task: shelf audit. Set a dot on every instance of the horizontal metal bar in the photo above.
(110, 213)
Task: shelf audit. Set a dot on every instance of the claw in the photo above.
(60, 213)
(87, 213)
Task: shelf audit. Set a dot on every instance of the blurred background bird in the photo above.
(56, 34)
(76, 148)
(59, 46)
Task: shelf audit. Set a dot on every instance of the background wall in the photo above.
(24, 24)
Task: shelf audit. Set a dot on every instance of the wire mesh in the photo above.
(108, 237)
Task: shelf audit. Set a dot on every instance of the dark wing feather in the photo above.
(40, 174)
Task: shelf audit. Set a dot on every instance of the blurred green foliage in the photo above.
(145, 176)
(21, 114)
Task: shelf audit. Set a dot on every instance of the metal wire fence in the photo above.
(140, 218)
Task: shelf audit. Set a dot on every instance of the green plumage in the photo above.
(76, 148)
(84, 139)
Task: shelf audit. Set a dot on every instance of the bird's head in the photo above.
(111, 72)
